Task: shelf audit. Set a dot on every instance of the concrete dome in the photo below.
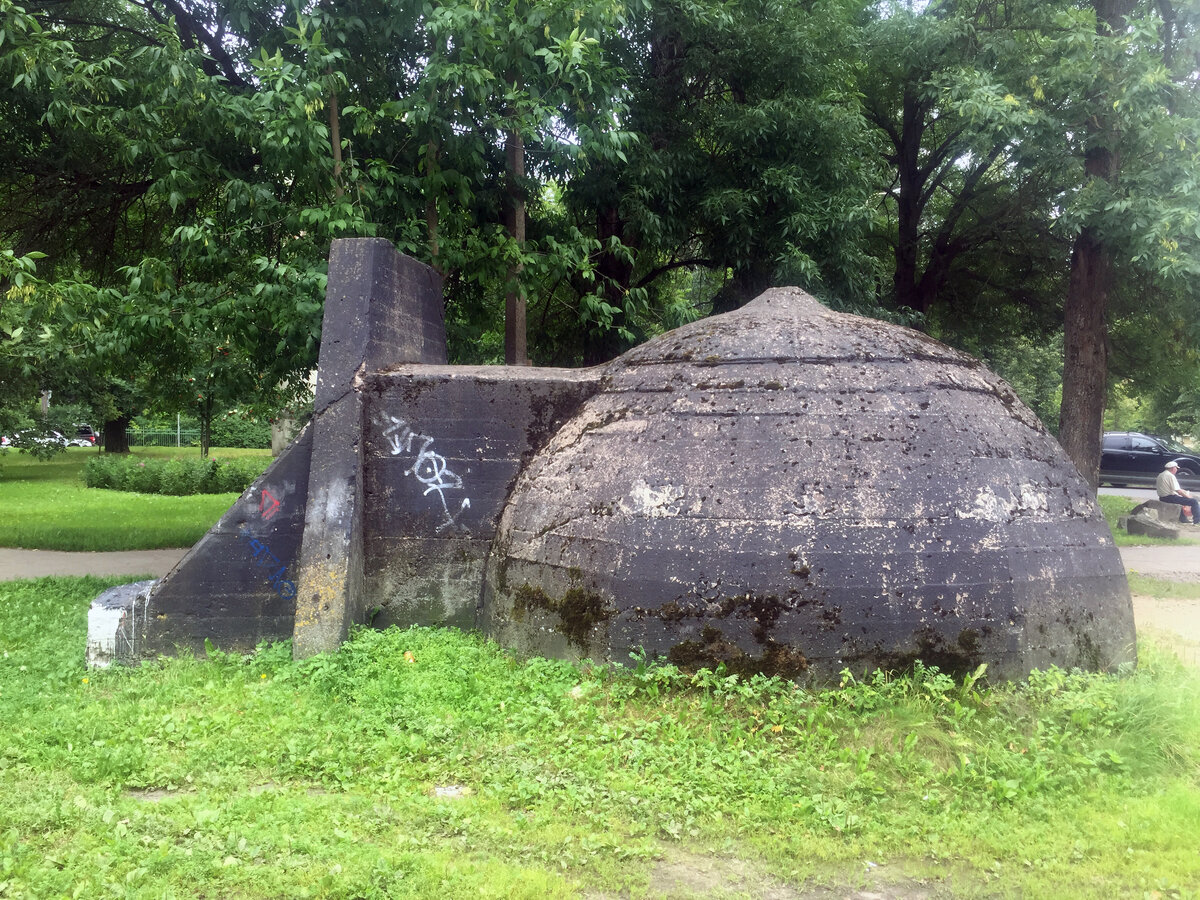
(792, 490)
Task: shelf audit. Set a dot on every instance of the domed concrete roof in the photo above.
(792, 490)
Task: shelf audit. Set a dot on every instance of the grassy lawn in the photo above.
(47, 507)
(1163, 589)
(427, 763)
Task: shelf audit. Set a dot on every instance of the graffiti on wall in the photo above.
(265, 559)
(429, 467)
(268, 505)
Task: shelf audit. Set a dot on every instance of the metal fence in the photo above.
(184, 437)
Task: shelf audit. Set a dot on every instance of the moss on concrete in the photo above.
(578, 609)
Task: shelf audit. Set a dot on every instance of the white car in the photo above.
(44, 439)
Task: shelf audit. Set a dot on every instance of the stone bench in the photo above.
(1154, 518)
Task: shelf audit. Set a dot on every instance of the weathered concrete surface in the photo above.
(1154, 518)
(380, 308)
(329, 591)
(444, 445)
(236, 586)
(1167, 513)
(791, 490)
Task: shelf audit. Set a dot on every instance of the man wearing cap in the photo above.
(1169, 491)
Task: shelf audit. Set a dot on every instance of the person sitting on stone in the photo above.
(1169, 491)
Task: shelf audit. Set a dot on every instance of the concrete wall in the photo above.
(444, 446)
(237, 585)
(781, 489)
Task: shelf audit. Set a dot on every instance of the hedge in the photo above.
(176, 477)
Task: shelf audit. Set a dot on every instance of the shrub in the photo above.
(177, 477)
(235, 475)
(142, 477)
(237, 429)
(102, 472)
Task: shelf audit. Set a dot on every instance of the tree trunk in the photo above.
(1085, 333)
(431, 205)
(515, 353)
(1085, 358)
(116, 438)
(909, 205)
(205, 413)
(615, 272)
(335, 140)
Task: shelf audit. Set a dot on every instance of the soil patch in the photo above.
(680, 874)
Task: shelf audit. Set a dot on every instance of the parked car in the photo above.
(28, 439)
(46, 437)
(84, 436)
(1133, 458)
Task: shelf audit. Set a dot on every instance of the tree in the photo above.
(1044, 158)
(970, 213)
(1133, 128)
(218, 206)
(750, 159)
(534, 74)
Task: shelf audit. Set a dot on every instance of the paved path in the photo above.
(1172, 563)
(38, 563)
(1175, 622)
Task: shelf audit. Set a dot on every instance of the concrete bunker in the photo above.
(782, 489)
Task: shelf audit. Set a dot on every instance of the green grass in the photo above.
(46, 507)
(1162, 589)
(256, 777)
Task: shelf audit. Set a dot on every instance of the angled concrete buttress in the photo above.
(781, 489)
(365, 327)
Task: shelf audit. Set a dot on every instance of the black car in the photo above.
(1133, 458)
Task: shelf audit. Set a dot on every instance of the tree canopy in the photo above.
(1012, 176)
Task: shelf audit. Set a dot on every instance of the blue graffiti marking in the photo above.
(265, 559)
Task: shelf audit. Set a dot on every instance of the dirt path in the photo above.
(1175, 623)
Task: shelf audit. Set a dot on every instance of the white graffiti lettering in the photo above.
(429, 468)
